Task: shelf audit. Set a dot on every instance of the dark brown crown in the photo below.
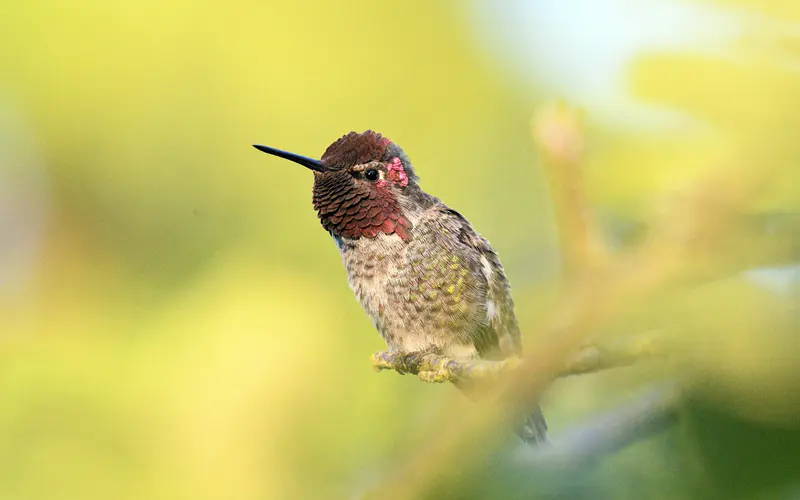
(355, 149)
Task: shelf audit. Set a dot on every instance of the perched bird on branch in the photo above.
(423, 274)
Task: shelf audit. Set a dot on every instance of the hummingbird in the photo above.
(423, 274)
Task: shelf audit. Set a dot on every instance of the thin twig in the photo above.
(433, 367)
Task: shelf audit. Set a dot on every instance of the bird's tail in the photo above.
(534, 429)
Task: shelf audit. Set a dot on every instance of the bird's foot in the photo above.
(428, 364)
(389, 360)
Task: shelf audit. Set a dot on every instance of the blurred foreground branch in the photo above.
(558, 135)
(433, 367)
(613, 431)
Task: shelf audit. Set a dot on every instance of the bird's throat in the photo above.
(354, 211)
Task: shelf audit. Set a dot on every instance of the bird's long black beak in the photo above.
(305, 161)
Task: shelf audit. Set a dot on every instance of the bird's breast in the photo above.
(370, 262)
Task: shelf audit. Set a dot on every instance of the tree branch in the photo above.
(431, 366)
(558, 132)
(613, 431)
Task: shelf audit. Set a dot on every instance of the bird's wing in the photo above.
(501, 336)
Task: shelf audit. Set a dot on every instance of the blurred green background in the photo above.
(175, 324)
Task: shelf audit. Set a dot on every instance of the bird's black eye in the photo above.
(371, 174)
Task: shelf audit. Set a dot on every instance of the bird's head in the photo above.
(361, 185)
